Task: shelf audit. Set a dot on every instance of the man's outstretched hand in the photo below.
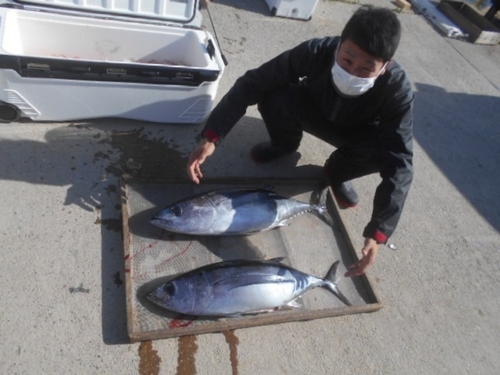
(204, 149)
(370, 252)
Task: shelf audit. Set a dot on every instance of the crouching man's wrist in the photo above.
(379, 237)
(211, 136)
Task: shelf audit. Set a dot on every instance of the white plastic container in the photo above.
(301, 9)
(80, 59)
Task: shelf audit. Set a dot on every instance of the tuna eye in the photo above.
(170, 289)
(177, 211)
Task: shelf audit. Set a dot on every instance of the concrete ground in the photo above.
(63, 296)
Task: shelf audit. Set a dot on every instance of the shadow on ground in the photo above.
(460, 133)
(90, 158)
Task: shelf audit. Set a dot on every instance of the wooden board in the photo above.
(309, 244)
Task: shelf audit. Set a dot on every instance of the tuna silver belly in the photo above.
(231, 212)
(239, 287)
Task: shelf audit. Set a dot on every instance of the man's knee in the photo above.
(349, 162)
(274, 103)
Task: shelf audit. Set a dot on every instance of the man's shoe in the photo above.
(345, 194)
(265, 152)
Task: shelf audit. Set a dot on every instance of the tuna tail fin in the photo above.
(330, 283)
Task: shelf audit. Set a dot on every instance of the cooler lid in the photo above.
(177, 11)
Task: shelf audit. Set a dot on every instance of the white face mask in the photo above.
(350, 85)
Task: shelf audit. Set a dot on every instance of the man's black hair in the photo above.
(375, 30)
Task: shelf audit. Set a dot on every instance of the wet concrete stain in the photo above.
(111, 224)
(100, 155)
(111, 189)
(79, 289)
(186, 361)
(233, 341)
(117, 279)
(149, 361)
(143, 155)
(114, 170)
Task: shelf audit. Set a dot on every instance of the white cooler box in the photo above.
(301, 9)
(66, 60)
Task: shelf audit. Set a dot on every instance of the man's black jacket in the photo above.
(387, 108)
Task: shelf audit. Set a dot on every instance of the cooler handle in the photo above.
(211, 52)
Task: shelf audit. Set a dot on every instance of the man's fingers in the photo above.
(358, 268)
(352, 274)
(193, 168)
(198, 170)
(192, 176)
(357, 271)
(197, 158)
(355, 264)
(197, 174)
(193, 171)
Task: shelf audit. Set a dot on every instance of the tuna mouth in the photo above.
(155, 220)
(163, 224)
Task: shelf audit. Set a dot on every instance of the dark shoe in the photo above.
(265, 152)
(345, 194)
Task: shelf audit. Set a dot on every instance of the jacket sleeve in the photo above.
(249, 89)
(396, 140)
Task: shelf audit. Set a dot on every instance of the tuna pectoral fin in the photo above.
(294, 303)
(283, 223)
(331, 284)
(324, 215)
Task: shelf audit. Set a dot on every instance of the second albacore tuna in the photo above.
(231, 212)
(238, 287)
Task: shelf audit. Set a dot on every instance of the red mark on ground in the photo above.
(179, 323)
(128, 256)
(145, 248)
(158, 266)
(176, 255)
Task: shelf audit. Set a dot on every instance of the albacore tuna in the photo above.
(231, 212)
(239, 287)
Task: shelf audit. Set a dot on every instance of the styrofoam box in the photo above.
(301, 9)
(58, 67)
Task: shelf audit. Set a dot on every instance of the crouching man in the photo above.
(347, 91)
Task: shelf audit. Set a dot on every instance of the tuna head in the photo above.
(193, 217)
(183, 295)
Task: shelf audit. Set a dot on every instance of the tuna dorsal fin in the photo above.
(277, 259)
